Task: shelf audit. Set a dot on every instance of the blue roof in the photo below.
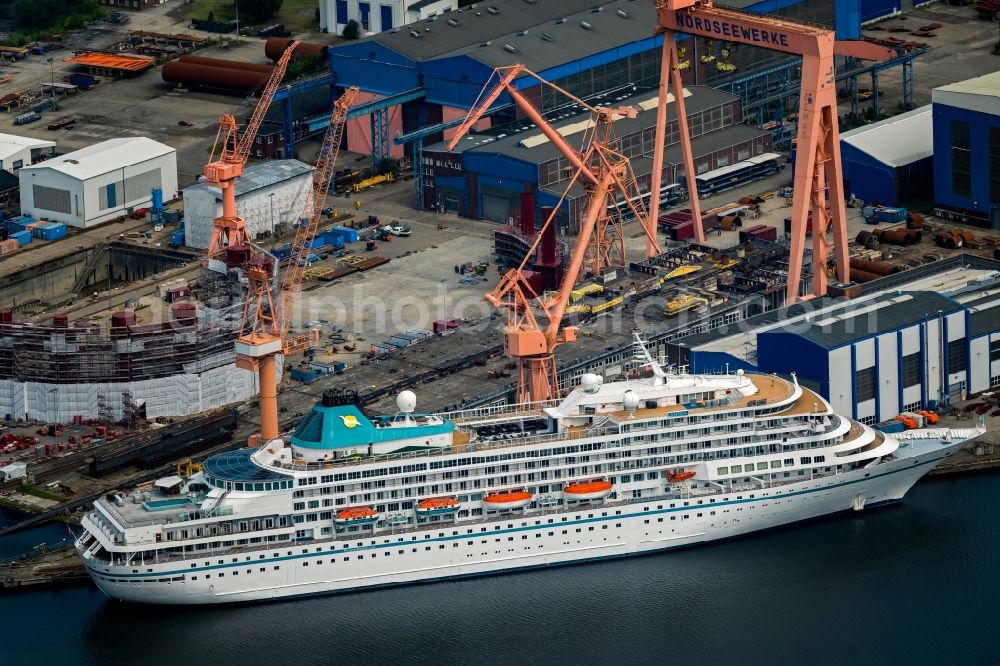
(346, 426)
(236, 466)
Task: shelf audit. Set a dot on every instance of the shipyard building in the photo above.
(930, 336)
(433, 71)
(269, 196)
(967, 151)
(98, 183)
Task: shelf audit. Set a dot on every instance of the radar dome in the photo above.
(740, 371)
(406, 401)
(630, 401)
(591, 382)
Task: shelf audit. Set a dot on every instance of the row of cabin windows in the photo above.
(774, 464)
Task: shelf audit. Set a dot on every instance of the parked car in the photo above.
(397, 229)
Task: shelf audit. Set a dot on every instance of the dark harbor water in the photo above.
(917, 583)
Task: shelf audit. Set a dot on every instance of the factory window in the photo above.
(911, 369)
(342, 12)
(961, 159)
(995, 381)
(51, 198)
(864, 382)
(994, 164)
(995, 350)
(956, 355)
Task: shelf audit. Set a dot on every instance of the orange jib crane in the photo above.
(534, 326)
(818, 174)
(266, 316)
(230, 228)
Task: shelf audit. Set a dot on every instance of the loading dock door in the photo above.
(497, 203)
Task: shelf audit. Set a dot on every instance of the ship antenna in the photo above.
(644, 359)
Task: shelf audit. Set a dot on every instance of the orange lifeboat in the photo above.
(679, 475)
(435, 506)
(359, 515)
(508, 499)
(588, 490)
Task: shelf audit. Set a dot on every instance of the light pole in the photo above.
(271, 197)
(237, 4)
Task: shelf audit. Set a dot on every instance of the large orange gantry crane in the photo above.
(817, 165)
(230, 229)
(605, 173)
(264, 332)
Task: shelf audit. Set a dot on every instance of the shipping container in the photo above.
(26, 118)
(893, 426)
(177, 239)
(22, 237)
(49, 231)
(349, 235)
(305, 375)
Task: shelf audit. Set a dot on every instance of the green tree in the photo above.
(352, 30)
(256, 11)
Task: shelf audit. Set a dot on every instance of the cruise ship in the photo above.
(350, 501)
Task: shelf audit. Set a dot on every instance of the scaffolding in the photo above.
(173, 368)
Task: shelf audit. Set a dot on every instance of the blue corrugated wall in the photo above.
(374, 68)
(867, 178)
(783, 352)
(979, 129)
(875, 9)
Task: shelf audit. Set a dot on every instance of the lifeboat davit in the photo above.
(677, 476)
(435, 506)
(359, 515)
(508, 499)
(588, 490)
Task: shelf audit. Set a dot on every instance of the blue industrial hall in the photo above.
(967, 151)
(890, 161)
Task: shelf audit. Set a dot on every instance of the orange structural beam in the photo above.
(818, 175)
(125, 63)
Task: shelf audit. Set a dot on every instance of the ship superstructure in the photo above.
(350, 501)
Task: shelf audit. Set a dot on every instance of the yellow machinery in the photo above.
(370, 182)
(187, 467)
(579, 308)
(684, 302)
(681, 271)
(607, 305)
(725, 263)
(585, 290)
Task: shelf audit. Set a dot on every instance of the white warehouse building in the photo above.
(20, 151)
(272, 193)
(99, 183)
(380, 15)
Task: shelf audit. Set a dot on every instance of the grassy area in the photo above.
(41, 494)
(297, 16)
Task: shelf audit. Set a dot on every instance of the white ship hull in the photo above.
(514, 542)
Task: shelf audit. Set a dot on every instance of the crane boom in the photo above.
(265, 322)
(229, 228)
(818, 179)
(603, 171)
(306, 233)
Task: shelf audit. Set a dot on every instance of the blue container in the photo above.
(892, 426)
(304, 375)
(22, 237)
(181, 223)
(349, 235)
(13, 226)
(49, 231)
(157, 198)
(177, 239)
